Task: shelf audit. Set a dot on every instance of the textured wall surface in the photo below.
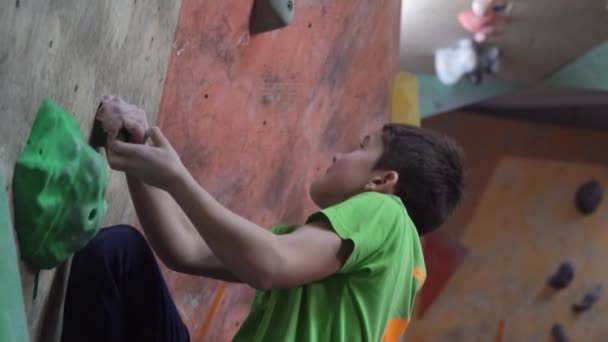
(517, 224)
(255, 118)
(75, 52)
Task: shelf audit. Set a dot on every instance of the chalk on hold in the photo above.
(588, 197)
(563, 276)
(98, 137)
(270, 15)
(559, 334)
(588, 299)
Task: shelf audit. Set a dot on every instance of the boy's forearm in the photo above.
(163, 223)
(246, 249)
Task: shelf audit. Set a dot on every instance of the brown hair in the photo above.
(430, 167)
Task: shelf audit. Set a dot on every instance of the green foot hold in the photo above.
(59, 189)
(271, 15)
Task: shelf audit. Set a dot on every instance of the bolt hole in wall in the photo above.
(76, 88)
(51, 43)
(17, 4)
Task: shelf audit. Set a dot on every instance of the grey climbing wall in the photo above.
(75, 52)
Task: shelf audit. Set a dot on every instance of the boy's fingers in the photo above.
(137, 132)
(98, 111)
(157, 137)
(101, 112)
(111, 126)
(125, 149)
(117, 162)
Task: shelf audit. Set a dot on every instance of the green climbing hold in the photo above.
(59, 189)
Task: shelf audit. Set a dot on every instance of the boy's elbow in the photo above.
(265, 272)
(175, 265)
(262, 284)
(263, 280)
(267, 276)
(178, 263)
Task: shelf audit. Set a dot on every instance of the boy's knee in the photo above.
(122, 233)
(113, 240)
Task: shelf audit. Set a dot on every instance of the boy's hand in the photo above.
(156, 164)
(115, 114)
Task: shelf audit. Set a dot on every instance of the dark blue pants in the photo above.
(116, 292)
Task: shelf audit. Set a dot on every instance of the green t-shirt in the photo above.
(370, 299)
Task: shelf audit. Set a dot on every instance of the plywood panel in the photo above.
(502, 137)
(486, 139)
(545, 163)
(524, 226)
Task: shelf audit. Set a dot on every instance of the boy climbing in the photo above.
(349, 273)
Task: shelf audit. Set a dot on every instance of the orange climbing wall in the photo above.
(517, 224)
(256, 118)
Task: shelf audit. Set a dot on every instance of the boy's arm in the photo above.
(167, 228)
(255, 255)
(172, 235)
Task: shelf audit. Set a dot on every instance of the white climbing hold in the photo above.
(451, 64)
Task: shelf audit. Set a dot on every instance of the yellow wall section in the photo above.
(405, 103)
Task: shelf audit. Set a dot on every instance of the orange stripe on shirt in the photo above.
(396, 328)
(419, 274)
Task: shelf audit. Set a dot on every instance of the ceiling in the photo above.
(543, 35)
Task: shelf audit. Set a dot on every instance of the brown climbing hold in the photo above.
(563, 276)
(588, 197)
(588, 300)
(559, 334)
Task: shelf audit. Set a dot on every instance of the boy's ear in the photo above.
(384, 181)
